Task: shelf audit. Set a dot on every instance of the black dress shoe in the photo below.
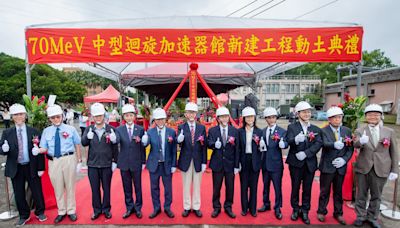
(169, 213)
(294, 216)
(243, 213)
(215, 213)
(59, 218)
(198, 213)
(185, 213)
(254, 214)
(305, 218)
(374, 223)
(358, 222)
(230, 213)
(127, 214)
(154, 214)
(138, 214)
(340, 219)
(264, 208)
(107, 214)
(278, 214)
(95, 216)
(73, 217)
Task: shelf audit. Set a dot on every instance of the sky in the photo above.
(380, 19)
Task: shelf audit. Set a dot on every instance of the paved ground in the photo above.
(387, 197)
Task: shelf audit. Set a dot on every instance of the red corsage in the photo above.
(348, 141)
(231, 140)
(35, 140)
(108, 140)
(201, 139)
(170, 139)
(256, 139)
(65, 135)
(137, 139)
(311, 136)
(275, 137)
(386, 142)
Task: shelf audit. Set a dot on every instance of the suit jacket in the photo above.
(132, 154)
(272, 158)
(227, 157)
(101, 154)
(311, 148)
(189, 151)
(383, 159)
(329, 153)
(170, 150)
(36, 162)
(256, 153)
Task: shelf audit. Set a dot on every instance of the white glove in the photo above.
(173, 169)
(236, 171)
(393, 176)
(338, 144)
(203, 167)
(282, 144)
(40, 173)
(113, 136)
(5, 147)
(113, 166)
(299, 138)
(78, 167)
(143, 166)
(85, 118)
(263, 146)
(35, 150)
(145, 139)
(181, 137)
(338, 162)
(218, 144)
(364, 138)
(90, 134)
(301, 155)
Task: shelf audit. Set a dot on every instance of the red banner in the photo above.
(336, 44)
(193, 87)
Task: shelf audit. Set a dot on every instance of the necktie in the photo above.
(192, 133)
(57, 147)
(130, 133)
(336, 134)
(160, 146)
(270, 136)
(20, 146)
(224, 136)
(374, 136)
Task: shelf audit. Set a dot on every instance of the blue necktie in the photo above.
(57, 147)
(160, 145)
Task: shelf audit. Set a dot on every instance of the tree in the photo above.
(90, 79)
(45, 81)
(376, 58)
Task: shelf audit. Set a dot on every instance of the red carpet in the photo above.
(84, 209)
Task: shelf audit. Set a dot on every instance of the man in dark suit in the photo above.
(224, 163)
(102, 160)
(161, 162)
(192, 159)
(24, 164)
(250, 160)
(131, 160)
(305, 140)
(272, 163)
(336, 152)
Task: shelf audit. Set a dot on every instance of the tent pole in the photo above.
(175, 94)
(27, 71)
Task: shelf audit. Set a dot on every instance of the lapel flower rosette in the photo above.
(35, 140)
(256, 139)
(137, 139)
(170, 139)
(108, 140)
(386, 142)
(201, 139)
(311, 136)
(231, 140)
(348, 141)
(65, 134)
(276, 137)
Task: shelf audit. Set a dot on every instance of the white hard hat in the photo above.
(334, 111)
(248, 111)
(159, 113)
(54, 110)
(97, 109)
(128, 108)
(222, 111)
(191, 107)
(270, 111)
(302, 105)
(373, 108)
(17, 108)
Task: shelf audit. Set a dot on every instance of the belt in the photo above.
(25, 163)
(62, 155)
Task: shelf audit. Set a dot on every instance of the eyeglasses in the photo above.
(55, 117)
